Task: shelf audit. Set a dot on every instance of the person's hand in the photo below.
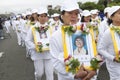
(115, 60)
(90, 74)
(81, 73)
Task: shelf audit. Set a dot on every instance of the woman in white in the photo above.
(107, 46)
(18, 28)
(69, 16)
(55, 24)
(104, 25)
(42, 60)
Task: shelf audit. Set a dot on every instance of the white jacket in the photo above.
(106, 48)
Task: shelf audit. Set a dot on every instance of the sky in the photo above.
(7, 6)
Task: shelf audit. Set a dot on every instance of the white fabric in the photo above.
(18, 29)
(113, 9)
(86, 13)
(42, 10)
(7, 25)
(69, 5)
(56, 50)
(40, 66)
(102, 28)
(106, 49)
(41, 60)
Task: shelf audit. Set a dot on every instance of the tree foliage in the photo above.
(91, 5)
(88, 6)
(52, 11)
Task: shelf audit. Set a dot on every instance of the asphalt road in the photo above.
(15, 66)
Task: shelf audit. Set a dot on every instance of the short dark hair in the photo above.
(62, 13)
(79, 37)
(82, 19)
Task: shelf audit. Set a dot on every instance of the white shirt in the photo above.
(56, 50)
(106, 49)
(31, 46)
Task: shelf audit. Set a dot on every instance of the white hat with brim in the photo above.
(18, 16)
(42, 10)
(55, 15)
(69, 5)
(94, 12)
(28, 13)
(34, 11)
(23, 14)
(106, 10)
(86, 13)
(113, 10)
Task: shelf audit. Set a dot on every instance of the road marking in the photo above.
(1, 53)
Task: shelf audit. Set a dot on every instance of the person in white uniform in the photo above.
(42, 60)
(104, 25)
(109, 44)
(18, 28)
(55, 24)
(69, 16)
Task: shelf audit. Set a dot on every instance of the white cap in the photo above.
(86, 13)
(106, 10)
(18, 16)
(69, 5)
(28, 13)
(55, 15)
(42, 10)
(34, 11)
(23, 14)
(94, 12)
(113, 10)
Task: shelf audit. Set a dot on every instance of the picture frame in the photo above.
(87, 50)
(45, 41)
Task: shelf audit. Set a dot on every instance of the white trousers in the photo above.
(41, 66)
(19, 38)
(113, 69)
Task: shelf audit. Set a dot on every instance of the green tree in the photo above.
(88, 6)
(52, 11)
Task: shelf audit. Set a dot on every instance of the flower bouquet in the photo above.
(40, 46)
(42, 28)
(116, 29)
(119, 56)
(70, 29)
(72, 64)
(95, 62)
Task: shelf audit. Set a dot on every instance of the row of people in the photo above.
(45, 40)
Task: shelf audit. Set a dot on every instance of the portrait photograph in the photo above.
(79, 45)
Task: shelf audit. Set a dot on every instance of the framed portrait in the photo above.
(44, 38)
(41, 39)
(80, 46)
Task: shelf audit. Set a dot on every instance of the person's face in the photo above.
(29, 16)
(34, 15)
(56, 18)
(94, 15)
(116, 17)
(79, 43)
(70, 17)
(87, 18)
(42, 18)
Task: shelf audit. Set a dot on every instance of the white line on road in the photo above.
(1, 53)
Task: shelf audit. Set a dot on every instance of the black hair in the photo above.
(109, 21)
(79, 37)
(82, 19)
(62, 13)
(43, 13)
